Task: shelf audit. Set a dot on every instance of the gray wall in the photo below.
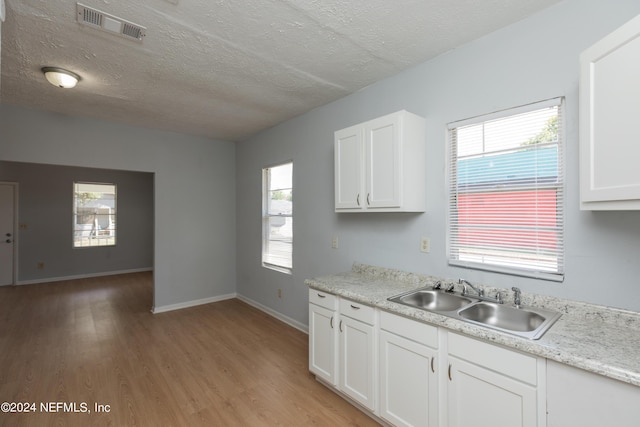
(194, 192)
(45, 207)
(532, 60)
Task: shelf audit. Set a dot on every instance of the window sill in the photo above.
(278, 268)
(552, 277)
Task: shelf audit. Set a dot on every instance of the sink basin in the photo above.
(433, 300)
(527, 322)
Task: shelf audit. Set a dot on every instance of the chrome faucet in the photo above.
(438, 286)
(479, 291)
(465, 283)
(516, 297)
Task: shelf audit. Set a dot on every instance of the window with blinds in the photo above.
(506, 191)
(277, 217)
(94, 214)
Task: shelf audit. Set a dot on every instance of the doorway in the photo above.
(8, 206)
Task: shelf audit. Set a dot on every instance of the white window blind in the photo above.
(506, 191)
(277, 218)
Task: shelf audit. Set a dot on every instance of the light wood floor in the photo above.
(95, 341)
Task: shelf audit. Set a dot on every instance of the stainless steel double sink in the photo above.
(527, 322)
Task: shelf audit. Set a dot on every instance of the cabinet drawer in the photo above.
(410, 329)
(357, 310)
(323, 299)
(508, 362)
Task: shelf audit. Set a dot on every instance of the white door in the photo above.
(7, 231)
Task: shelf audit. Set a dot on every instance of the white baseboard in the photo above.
(286, 319)
(193, 303)
(82, 276)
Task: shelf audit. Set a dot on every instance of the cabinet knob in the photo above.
(8, 240)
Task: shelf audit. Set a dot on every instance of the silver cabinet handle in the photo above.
(358, 199)
(322, 296)
(340, 326)
(432, 369)
(450, 379)
(355, 307)
(331, 322)
(368, 200)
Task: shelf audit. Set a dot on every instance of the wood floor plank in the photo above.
(94, 341)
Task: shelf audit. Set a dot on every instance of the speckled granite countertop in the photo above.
(598, 339)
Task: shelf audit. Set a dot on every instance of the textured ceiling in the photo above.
(228, 69)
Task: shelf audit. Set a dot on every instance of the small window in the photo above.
(277, 217)
(94, 214)
(506, 192)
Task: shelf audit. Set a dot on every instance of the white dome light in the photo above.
(60, 77)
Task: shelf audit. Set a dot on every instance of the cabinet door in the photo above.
(357, 363)
(323, 343)
(580, 398)
(481, 397)
(349, 174)
(383, 162)
(609, 110)
(408, 382)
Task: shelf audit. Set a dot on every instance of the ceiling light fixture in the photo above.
(60, 77)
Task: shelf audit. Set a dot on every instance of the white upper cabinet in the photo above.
(609, 113)
(349, 174)
(380, 165)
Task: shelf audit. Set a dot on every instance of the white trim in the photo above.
(553, 102)
(286, 319)
(83, 276)
(192, 303)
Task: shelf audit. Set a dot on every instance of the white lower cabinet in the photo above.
(580, 398)
(358, 354)
(323, 336)
(408, 371)
(342, 346)
(493, 386)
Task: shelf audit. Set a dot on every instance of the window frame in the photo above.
(267, 258)
(112, 226)
(452, 185)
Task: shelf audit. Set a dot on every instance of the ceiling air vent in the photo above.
(109, 23)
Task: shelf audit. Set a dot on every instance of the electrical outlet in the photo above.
(424, 245)
(40, 265)
(279, 293)
(334, 242)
